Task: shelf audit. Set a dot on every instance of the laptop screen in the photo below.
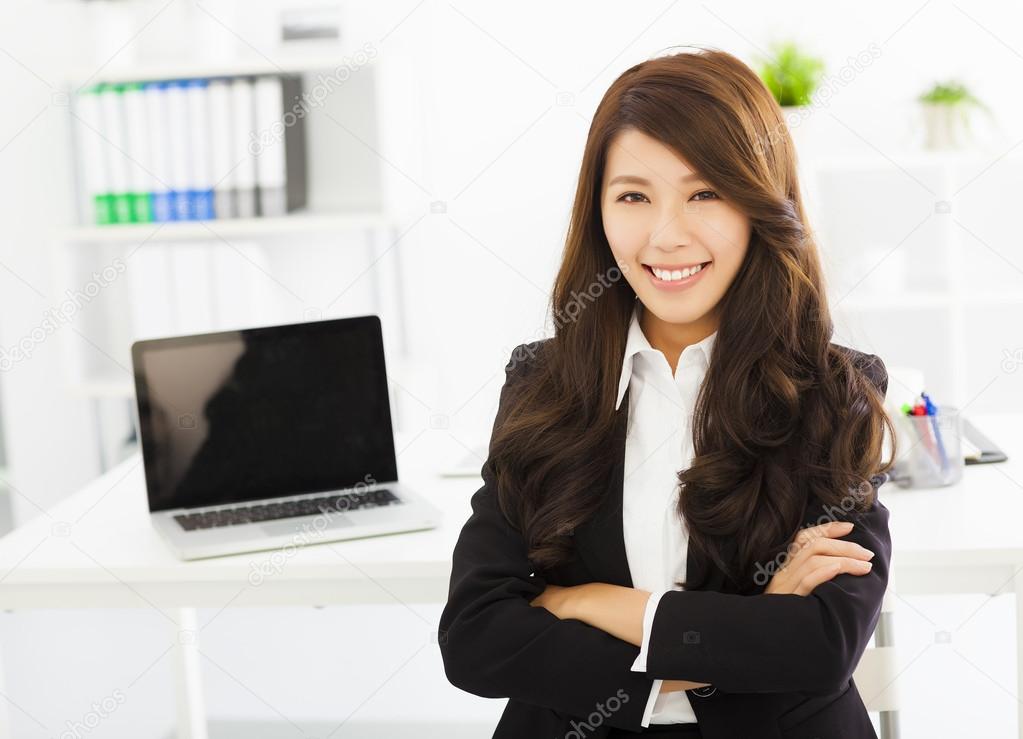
(264, 412)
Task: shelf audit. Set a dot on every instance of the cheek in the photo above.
(727, 243)
(625, 235)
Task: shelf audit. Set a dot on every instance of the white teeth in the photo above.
(677, 274)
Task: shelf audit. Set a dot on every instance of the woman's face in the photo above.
(662, 222)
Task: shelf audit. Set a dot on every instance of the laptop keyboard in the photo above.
(288, 509)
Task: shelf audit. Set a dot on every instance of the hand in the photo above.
(674, 686)
(557, 599)
(820, 556)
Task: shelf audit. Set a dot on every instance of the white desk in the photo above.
(967, 538)
(97, 549)
(961, 539)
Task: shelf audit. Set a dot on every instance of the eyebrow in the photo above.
(632, 179)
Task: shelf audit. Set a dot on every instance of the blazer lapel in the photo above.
(600, 541)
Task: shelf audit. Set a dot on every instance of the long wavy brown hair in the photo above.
(783, 414)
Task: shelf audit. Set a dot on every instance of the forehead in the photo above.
(633, 152)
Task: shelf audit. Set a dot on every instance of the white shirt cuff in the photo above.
(655, 693)
(648, 621)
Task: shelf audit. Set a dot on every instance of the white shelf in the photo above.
(108, 387)
(994, 299)
(882, 302)
(155, 72)
(906, 301)
(958, 303)
(228, 228)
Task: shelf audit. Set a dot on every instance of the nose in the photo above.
(672, 229)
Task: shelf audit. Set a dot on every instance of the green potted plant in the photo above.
(946, 108)
(793, 77)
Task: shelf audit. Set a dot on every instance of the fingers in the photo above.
(825, 545)
(831, 529)
(817, 577)
(817, 554)
(837, 548)
(822, 569)
(845, 564)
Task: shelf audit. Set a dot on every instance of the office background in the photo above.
(441, 165)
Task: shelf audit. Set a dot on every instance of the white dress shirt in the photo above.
(659, 443)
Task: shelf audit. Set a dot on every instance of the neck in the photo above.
(672, 338)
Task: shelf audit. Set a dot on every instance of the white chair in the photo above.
(875, 675)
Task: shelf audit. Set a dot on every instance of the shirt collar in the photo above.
(637, 343)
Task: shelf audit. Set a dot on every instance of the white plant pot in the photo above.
(945, 126)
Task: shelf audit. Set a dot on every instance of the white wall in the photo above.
(49, 442)
(469, 119)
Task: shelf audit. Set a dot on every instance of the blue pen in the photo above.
(932, 411)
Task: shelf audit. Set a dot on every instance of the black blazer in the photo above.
(780, 666)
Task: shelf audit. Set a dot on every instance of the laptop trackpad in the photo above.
(306, 527)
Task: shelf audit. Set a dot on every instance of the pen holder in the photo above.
(930, 453)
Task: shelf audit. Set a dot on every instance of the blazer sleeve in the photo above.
(780, 643)
(495, 644)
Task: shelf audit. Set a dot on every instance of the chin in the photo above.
(663, 309)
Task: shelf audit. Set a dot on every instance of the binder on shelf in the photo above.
(294, 145)
(200, 168)
(195, 149)
(244, 110)
(279, 146)
(221, 150)
(116, 153)
(90, 146)
(140, 163)
(180, 180)
(155, 94)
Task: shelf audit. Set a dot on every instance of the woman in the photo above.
(679, 531)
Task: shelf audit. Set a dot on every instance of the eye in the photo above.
(624, 197)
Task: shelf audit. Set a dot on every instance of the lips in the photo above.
(673, 273)
(680, 285)
(676, 266)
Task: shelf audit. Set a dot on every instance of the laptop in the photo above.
(268, 437)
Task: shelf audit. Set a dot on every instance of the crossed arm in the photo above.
(496, 641)
(612, 608)
(806, 632)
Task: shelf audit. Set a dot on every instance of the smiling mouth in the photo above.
(675, 275)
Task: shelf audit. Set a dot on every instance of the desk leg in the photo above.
(188, 678)
(884, 636)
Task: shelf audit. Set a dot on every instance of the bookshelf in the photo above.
(191, 276)
(295, 224)
(917, 239)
